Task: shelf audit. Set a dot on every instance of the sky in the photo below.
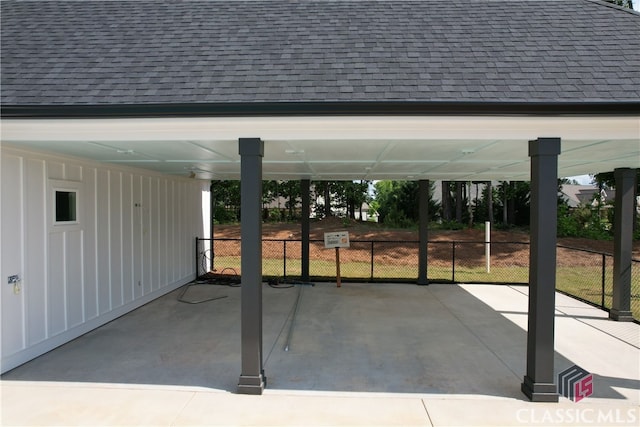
(582, 179)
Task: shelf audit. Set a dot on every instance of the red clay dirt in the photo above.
(403, 251)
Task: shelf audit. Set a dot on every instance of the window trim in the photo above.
(56, 186)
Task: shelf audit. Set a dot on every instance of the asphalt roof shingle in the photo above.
(171, 51)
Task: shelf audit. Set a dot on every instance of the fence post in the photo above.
(196, 263)
(453, 262)
(423, 231)
(284, 250)
(604, 276)
(372, 260)
(487, 245)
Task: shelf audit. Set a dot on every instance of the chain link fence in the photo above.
(584, 274)
(588, 276)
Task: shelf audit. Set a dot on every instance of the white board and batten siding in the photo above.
(132, 241)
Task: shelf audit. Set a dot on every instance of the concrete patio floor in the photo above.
(364, 354)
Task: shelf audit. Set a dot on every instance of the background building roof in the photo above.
(577, 195)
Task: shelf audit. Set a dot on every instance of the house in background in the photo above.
(582, 195)
(590, 195)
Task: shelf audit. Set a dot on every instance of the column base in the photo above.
(251, 384)
(620, 315)
(422, 282)
(539, 392)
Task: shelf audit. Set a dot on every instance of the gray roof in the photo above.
(201, 52)
(577, 195)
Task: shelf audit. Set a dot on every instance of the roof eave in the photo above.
(252, 109)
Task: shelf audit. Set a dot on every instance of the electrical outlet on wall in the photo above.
(15, 281)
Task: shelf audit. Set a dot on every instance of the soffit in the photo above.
(339, 148)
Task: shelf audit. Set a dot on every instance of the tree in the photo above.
(397, 202)
(516, 194)
(355, 194)
(226, 195)
(291, 191)
(446, 201)
(323, 189)
(269, 194)
(607, 180)
(455, 201)
(340, 196)
(488, 195)
(388, 195)
(502, 190)
(623, 3)
(580, 221)
(460, 200)
(485, 209)
(469, 206)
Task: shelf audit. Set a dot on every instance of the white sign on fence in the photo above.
(336, 239)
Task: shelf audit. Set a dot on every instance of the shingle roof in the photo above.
(168, 52)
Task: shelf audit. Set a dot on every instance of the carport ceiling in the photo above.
(340, 148)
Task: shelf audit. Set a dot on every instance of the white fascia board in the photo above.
(324, 128)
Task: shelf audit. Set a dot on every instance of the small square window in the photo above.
(66, 206)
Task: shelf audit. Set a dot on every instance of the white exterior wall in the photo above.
(134, 241)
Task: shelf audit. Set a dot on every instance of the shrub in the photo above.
(451, 225)
(568, 225)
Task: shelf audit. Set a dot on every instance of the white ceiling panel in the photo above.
(331, 150)
(588, 150)
(287, 167)
(436, 150)
(409, 168)
(170, 150)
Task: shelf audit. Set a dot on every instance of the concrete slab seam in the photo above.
(424, 405)
(179, 412)
(284, 324)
